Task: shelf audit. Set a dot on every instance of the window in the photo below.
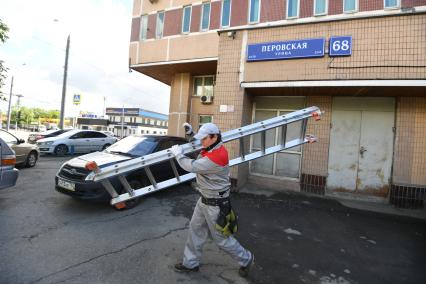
(391, 4)
(225, 14)
(144, 27)
(8, 138)
(205, 17)
(160, 25)
(203, 86)
(254, 11)
(350, 6)
(142, 131)
(320, 7)
(186, 21)
(292, 8)
(202, 119)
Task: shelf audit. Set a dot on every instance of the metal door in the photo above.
(361, 145)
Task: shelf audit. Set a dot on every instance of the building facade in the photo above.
(363, 62)
(135, 121)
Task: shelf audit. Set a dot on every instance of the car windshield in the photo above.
(134, 146)
(7, 137)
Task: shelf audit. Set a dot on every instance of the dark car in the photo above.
(32, 138)
(70, 178)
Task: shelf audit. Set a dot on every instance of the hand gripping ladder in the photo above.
(121, 169)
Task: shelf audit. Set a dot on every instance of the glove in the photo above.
(188, 128)
(176, 150)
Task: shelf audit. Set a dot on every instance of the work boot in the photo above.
(179, 267)
(244, 270)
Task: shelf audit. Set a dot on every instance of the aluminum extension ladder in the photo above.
(121, 169)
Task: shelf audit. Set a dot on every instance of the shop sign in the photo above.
(340, 46)
(304, 48)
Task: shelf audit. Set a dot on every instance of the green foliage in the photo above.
(28, 115)
(3, 37)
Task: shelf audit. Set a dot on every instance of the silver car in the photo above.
(76, 141)
(8, 173)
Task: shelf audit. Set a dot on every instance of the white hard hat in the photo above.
(206, 129)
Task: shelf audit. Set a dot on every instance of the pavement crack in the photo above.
(122, 216)
(227, 280)
(111, 253)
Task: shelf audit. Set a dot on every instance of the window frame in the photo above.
(183, 19)
(203, 84)
(351, 11)
(142, 29)
(202, 14)
(298, 10)
(398, 5)
(204, 115)
(249, 12)
(221, 14)
(156, 24)
(326, 8)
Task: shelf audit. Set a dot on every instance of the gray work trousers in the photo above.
(201, 226)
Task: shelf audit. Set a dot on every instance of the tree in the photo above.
(3, 37)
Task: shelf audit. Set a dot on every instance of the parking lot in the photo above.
(47, 237)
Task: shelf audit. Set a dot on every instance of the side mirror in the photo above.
(20, 141)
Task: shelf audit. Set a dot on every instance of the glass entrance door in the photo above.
(284, 164)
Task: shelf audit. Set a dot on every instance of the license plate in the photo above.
(66, 184)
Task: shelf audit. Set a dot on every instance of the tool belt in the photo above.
(227, 220)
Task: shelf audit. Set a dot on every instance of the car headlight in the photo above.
(48, 143)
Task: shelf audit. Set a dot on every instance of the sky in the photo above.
(98, 59)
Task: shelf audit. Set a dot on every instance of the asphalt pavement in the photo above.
(47, 237)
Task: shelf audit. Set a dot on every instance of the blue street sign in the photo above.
(304, 48)
(77, 99)
(340, 46)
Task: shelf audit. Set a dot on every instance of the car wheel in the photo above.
(61, 150)
(106, 146)
(129, 204)
(31, 159)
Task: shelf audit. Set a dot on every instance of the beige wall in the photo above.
(152, 51)
(137, 8)
(178, 48)
(159, 5)
(315, 156)
(396, 45)
(179, 103)
(194, 46)
(410, 143)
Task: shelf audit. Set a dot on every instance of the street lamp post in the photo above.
(64, 86)
(10, 103)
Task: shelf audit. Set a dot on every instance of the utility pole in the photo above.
(8, 109)
(122, 122)
(18, 109)
(64, 86)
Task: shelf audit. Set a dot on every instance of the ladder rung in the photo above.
(126, 184)
(263, 141)
(175, 171)
(283, 134)
(148, 189)
(242, 149)
(150, 177)
(303, 129)
(108, 186)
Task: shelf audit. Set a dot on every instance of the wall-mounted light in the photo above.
(232, 34)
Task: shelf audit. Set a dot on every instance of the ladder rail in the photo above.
(188, 177)
(158, 157)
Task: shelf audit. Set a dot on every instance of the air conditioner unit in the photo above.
(206, 99)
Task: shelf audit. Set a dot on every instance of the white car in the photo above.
(76, 141)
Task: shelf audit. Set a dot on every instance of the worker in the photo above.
(213, 214)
